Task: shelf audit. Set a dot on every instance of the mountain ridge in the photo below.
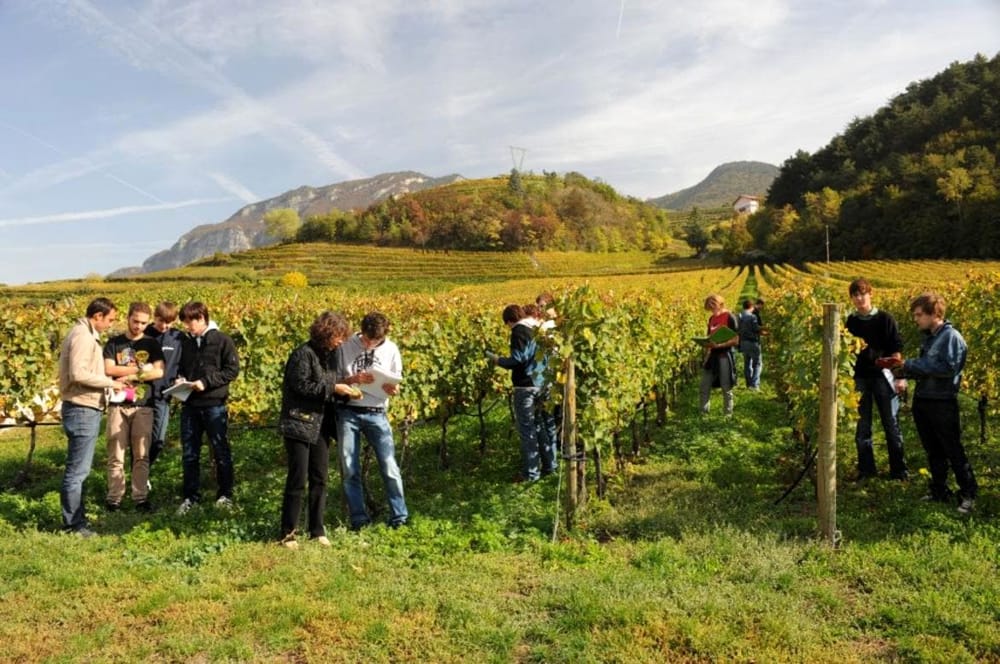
(721, 187)
(245, 228)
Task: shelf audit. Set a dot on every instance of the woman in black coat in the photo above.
(309, 384)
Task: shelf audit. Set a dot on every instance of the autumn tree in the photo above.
(282, 223)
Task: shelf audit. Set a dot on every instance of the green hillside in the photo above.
(918, 178)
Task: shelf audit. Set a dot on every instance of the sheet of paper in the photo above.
(381, 378)
(180, 391)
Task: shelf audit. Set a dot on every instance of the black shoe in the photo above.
(863, 478)
(112, 507)
(144, 506)
(398, 524)
(902, 477)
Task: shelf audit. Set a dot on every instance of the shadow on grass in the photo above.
(476, 489)
(700, 473)
(708, 471)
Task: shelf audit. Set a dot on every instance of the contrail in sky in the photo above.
(90, 166)
(618, 32)
(104, 214)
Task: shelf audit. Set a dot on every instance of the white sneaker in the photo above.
(966, 506)
(323, 540)
(185, 507)
(224, 503)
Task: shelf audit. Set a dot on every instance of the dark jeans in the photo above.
(879, 393)
(214, 421)
(940, 432)
(310, 462)
(161, 418)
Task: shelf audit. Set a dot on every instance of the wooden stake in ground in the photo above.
(569, 443)
(826, 471)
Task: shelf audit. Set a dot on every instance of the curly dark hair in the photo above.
(327, 326)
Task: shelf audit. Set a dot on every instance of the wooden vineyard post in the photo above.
(569, 443)
(827, 469)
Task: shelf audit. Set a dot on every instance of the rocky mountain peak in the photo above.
(245, 228)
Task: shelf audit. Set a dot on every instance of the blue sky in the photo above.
(124, 124)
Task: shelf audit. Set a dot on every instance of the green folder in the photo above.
(720, 336)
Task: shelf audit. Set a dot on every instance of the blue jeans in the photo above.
(537, 427)
(878, 392)
(82, 426)
(161, 418)
(752, 363)
(213, 420)
(374, 426)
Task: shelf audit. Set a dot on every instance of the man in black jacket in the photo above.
(209, 362)
(880, 333)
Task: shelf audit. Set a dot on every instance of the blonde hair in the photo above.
(714, 300)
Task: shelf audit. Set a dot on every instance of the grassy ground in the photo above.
(688, 559)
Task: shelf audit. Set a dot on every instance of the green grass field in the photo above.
(687, 559)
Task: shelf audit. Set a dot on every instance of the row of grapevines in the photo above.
(631, 348)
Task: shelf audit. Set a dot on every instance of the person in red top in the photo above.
(718, 368)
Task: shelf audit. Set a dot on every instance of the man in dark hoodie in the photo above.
(539, 455)
(209, 362)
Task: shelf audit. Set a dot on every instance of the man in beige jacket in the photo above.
(83, 387)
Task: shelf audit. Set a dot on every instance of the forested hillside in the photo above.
(512, 212)
(916, 179)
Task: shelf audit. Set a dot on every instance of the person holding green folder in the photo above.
(719, 367)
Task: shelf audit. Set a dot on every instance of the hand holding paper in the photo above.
(377, 378)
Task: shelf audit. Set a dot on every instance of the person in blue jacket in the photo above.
(938, 373)
(535, 424)
(169, 337)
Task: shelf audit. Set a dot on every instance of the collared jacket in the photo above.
(938, 370)
(82, 380)
(214, 362)
(305, 392)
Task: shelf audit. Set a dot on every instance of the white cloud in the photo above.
(147, 44)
